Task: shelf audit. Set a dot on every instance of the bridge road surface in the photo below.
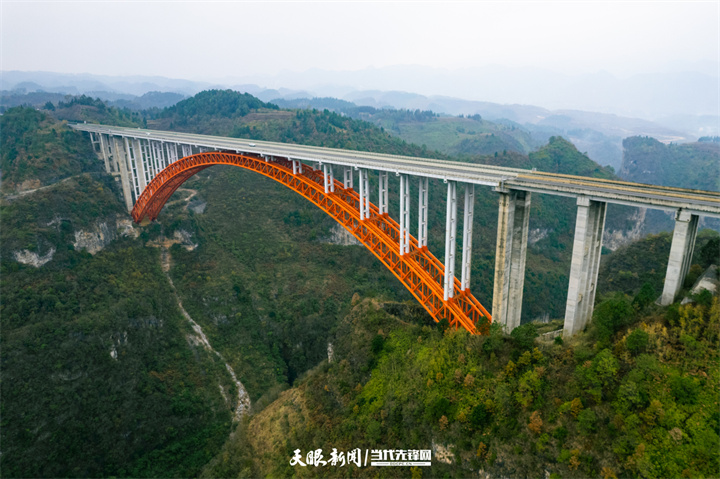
(698, 202)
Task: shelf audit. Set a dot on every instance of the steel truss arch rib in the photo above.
(418, 270)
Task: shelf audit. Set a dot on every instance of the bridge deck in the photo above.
(704, 203)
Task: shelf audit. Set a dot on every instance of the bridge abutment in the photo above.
(587, 248)
(510, 254)
(681, 251)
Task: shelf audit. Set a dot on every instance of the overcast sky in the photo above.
(216, 40)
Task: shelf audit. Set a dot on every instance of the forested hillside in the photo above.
(98, 376)
(36, 150)
(454, 135)
(689, 165)
(635, 396)
(104, 375)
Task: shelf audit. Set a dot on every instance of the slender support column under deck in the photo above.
(467, 235)
(348, 177)
(132, 166)
(104, 146)
(450, 235)
(366, 187)
(329, 178)
(147, 156)
(364, 195)
(681, 251)
(186, 150)
(140, 162)
(510, 254)
(153, 154)
(121, 161)
(162, 155)
(172, 154)
(587, 248)
(383, 192)
(297, 168)
(404, 214)
(422, 211)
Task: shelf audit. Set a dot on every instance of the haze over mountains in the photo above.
(594, 111)
(658, 97)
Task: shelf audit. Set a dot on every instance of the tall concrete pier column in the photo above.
(364, 195)
(383, 193)
(119, 155)
(104, 150)
(681, 251)
(140, 162)
(422, 212)
(450, 240)
(510, 254)
(467, 235)
(329, 178)
(132, 169)
(587, 248)
(404, 214)
(348, 177)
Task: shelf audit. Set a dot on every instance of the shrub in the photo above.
(610, 316)
(684, 389)
(637, 341)
(587, 420)
(524, 336)
(480, 416)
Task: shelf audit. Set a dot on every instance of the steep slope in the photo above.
(643, 404)
(100, 376)
(689, 165)
(35, 150)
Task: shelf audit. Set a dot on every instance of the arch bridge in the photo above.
(152, 164)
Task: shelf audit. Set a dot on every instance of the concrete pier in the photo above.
(450, 240)
(120, 159)
(510, 254)
(681, 252)
(587, 248)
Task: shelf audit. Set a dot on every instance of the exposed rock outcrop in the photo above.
(34, 259)
(94, 239)
(612, 240)
(340, 236)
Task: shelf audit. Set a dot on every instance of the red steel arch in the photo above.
(419, 270)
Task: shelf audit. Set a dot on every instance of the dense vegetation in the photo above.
(460, 135)
(36, 150)
(644, 263)
(102, 379)
(98, 377)
(690, 165)
(637, 400)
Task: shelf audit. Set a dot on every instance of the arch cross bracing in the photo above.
(418, 270)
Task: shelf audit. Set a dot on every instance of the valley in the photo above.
(97, 352)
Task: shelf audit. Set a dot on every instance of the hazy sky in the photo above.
(215, 40)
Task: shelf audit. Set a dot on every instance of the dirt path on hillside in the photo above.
(186, 199)
(199, 338)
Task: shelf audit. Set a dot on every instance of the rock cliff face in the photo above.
(341, 236)
(612, 240)
(95, 239)
(91, 240)
(34, 259)
(102, 234)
